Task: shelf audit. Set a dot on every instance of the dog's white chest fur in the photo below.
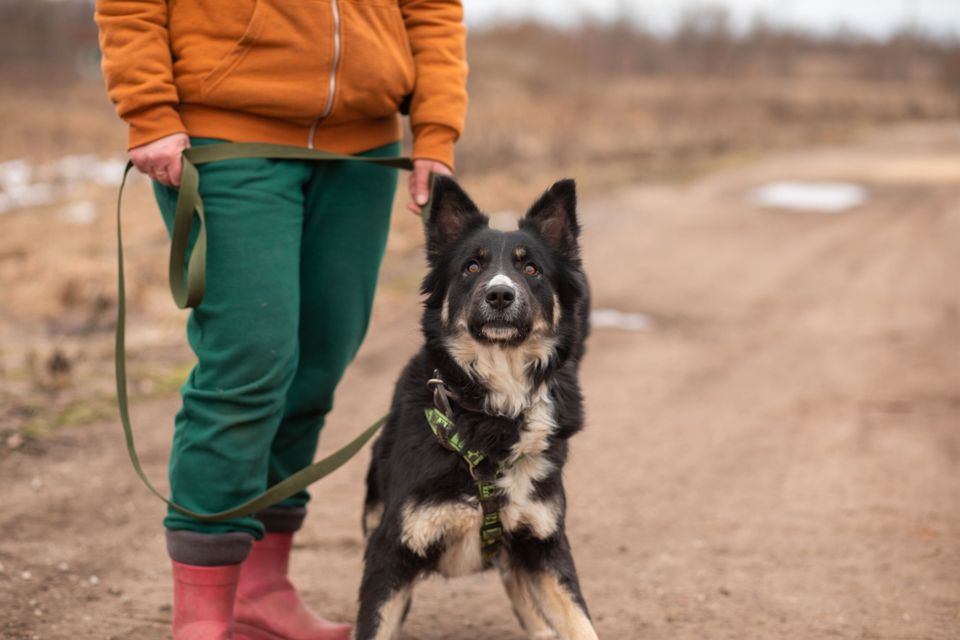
(504, 371)
(456, 525)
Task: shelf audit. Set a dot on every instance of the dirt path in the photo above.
(778, 457)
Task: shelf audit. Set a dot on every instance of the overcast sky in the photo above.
(876, 17)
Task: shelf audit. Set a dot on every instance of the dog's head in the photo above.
(495, 289)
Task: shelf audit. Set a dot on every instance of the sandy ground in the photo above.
(777, 457)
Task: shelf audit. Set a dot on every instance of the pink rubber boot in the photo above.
(203, 600)
(268, 607)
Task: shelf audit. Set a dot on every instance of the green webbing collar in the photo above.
(491, 528)
(189, 293)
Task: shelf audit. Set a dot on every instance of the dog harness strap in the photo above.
(485, 475)
(188, 289)
(491, 529)
(442, 428)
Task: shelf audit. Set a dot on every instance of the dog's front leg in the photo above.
(385, 591)
(524, 605)
(560, 605)
(545, 568)
(380, 617)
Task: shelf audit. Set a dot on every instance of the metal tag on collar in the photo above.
(441, 394)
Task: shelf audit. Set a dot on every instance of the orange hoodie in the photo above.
(327, 74)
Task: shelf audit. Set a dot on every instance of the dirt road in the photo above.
(778, 456)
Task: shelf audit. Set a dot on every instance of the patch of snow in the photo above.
(81, 212)
(815, 197)
(614, 319)
(24, 184)
(14, 174)
(30, 195)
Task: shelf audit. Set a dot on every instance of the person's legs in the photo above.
(348, 207)
(244, 334)
(344, 235)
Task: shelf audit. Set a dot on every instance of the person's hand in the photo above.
(160, 159)
(419, 182)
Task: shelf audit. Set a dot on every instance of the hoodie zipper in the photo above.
(335, 7)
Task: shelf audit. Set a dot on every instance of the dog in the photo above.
(467, 473)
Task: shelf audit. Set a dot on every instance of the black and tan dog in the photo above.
(468, 471)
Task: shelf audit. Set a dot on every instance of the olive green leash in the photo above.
(188, 292)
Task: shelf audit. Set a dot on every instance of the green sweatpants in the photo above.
(293, 253)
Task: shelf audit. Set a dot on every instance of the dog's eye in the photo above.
(472, 267)
(530, 269)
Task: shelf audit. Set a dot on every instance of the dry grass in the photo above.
(611, 103)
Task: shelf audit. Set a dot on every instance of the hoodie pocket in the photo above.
(376, 66)
(281, 65)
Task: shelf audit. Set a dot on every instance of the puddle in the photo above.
(24, 184)
(813, 197)
(614, 319)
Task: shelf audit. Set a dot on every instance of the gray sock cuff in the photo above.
(208, 549)
(282, 520)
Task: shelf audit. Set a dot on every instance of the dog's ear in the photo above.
(554, 218)
(452, 214)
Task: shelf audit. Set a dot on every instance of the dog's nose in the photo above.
(500, 296)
